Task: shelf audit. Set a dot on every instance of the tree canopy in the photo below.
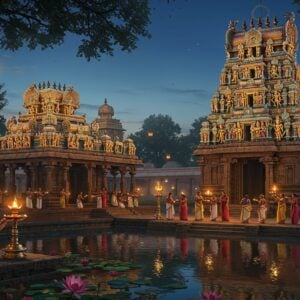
(3, 102)
(100, 24)
(160, 137)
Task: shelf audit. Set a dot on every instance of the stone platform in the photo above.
(37, 266)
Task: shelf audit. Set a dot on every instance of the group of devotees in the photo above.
(219, 206)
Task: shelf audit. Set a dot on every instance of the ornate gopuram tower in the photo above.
(57, 149)
(251, 139)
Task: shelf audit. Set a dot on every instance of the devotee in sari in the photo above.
(170, 211)
(183, 206)
(294, 212)
(281, 209)
(62, 198)
(99, 200)
(29, 196)
(262, 209)
(113, 200)
(246, 209)
(104, 197)
(129, 201)
(213, 208)
(224, 199)
(79, 200)
(199, 207)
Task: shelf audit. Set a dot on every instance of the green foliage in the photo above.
(164, 140)
(3, 102)
(99, 25)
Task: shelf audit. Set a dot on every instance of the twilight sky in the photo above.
(175, 72)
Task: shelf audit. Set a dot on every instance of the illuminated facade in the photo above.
(57, 148)
(251, 139)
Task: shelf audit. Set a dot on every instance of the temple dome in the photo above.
(106, 110)
(71, 97)
(31, 96)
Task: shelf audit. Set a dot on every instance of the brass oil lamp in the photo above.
(14, 250)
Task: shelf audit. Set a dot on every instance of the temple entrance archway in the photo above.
(78, 180)
(247, 177)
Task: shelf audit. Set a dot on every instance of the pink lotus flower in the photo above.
(211, 296)
(74, 285)
(84, 261)
(113, 273)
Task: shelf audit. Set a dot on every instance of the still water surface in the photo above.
(237, 269)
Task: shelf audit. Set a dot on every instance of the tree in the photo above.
(164, 139)
(101, 25)
(3, 102)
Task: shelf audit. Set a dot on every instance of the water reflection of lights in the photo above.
(209, 262)
(158, 265)
(274, 271)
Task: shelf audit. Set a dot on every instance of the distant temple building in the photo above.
(251, 140)
(57, 148)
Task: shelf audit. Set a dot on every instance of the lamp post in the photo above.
(14, 250)
(158, 190)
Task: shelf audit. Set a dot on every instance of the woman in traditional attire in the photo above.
(79, 200)
(183, 208)
(224, 199)
(170, 211)
(121, 199)
(262, 209)
(113, 200)
(29, 195)
(62, 198)
(281, 209)
(294, 210)
(135, 200)
(129, 201)
(199, 207)
(39, 198)
(104, 197)
(99, 199)
(246, 209)
(213, 208)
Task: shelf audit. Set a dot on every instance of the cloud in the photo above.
(199, 93)
(89, 106)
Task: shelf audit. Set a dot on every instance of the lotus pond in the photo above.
(122, 265)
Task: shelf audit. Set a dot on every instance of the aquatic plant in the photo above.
(84, 261)
(74, 285)
(211, 296)
(113, 273)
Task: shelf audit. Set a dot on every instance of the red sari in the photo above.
(224, 208)
(294, 210)
(183, 209)
(104, 198)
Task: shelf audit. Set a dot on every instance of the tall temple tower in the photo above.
(251, 139)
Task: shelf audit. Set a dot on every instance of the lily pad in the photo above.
(38, 286)
(64, 270)
(174, 286)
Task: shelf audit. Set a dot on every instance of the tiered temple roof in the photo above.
(258, 95)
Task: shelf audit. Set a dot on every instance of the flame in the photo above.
(15, 205)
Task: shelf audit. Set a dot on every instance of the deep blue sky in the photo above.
(175, 72)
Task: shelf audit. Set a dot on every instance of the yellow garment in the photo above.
(281, 213)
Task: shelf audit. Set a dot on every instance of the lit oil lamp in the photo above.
(14, 250)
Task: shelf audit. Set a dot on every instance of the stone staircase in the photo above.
(137, 212)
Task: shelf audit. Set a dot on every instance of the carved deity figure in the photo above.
(228, 103)
(257, 129)
(222, 103)
(239, 131)
(287, 71)
(274, 71)
(214, 104)
(257, 98)
(241, 52)
(221, 134)
(269, 48)
(43, 140)
(249, 52)
(243, 100)
(205, 132)
(278, 129)
(118, 149)
(229, 76)
(214, 132)
(276, 100)
(235, 76)
(263, 130)
(232, 133)
(258, 72)
(55, 139)
(223, 78)
(292, 97)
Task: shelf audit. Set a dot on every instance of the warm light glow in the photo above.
(274, 271)
(166, 180)
(274, 188)
(158, 265)
(150, 133)
(208, 193)
(15, 205)
(209, 262)
(158, 187)
(172, 187)
(168, 156)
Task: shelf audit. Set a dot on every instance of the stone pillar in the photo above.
(2, 177)
(122, 181)
(33, 179)
(114, 173)
(227, 175)
(104, 178)
(12, 181)
(269, 171)
(132, 180)
(49, 178)
(66, 182)
(90, 181)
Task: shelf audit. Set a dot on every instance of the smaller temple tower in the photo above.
(106, 124)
